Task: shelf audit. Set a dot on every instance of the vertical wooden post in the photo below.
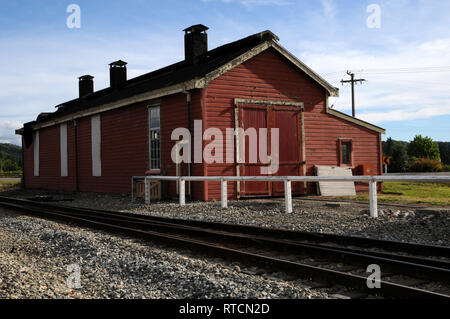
(373, 199)
(147, 190)
(182, 191)
(224, 193)
(288, 196)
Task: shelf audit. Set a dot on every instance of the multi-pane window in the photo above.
(346, 153)
(154, 137)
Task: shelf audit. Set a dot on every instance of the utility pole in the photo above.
(352, 81)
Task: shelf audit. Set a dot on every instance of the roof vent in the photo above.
(85, 85)
(195, 42)
(117, 74)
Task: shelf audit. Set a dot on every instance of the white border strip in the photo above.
(96, 145)
(63, 149)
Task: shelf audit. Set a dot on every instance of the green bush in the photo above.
(424, 165)
(424, 147)
(446, 168)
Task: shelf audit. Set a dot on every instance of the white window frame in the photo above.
(151, 129)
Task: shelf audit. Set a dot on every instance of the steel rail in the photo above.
(432, 268)
(317, 273)
(427, 250)
(100, 219)
(418, 267)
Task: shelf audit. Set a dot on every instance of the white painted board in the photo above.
(36, 153)
(63, 149)
(96, 145)
(335, 188)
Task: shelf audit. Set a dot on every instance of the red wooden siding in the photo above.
(49, 161)
(174, 115)
(323, 132)
(269, 76)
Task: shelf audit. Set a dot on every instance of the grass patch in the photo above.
(7, 185)
(405, 192)
(5, 182)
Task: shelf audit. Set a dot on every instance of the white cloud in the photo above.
(42, 73)
(329, 9)
(405, 115)
(7, 132)
(389, 95)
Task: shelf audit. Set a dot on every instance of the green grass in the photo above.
(8, 184)
(404, 192)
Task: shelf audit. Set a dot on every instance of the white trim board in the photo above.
(96, 133)
(63, 149)
(36, 153)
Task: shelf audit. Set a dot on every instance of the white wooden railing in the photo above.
(372, 180)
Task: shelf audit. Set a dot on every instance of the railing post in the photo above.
(373, 199)
(224, 193)
(182, 191)
(288, 196)
(147, 190)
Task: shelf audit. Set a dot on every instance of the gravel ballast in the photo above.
(35, 253)
(405, 223)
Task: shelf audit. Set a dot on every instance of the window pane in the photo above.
(346, 152)
(154, 138)
(154, 117)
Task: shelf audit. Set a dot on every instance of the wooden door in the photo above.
(255, 117)
(287, 120)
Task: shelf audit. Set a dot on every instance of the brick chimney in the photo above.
(195, 42)
(117, 74)
(85, 85)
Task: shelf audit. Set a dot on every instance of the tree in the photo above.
(387, 146)
(424, 147)
(399, 158)
(10, 166)
(444, 150)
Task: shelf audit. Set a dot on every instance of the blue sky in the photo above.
(42, 57)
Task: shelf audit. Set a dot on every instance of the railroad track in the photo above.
(408, 270)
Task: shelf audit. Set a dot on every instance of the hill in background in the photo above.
(10, 157)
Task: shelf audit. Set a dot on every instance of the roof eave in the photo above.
(332, 91)
(355, 120)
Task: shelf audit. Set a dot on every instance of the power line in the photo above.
(432, 69)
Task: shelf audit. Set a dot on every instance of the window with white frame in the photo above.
(154, 140)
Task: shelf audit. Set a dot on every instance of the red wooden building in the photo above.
(96, 142)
